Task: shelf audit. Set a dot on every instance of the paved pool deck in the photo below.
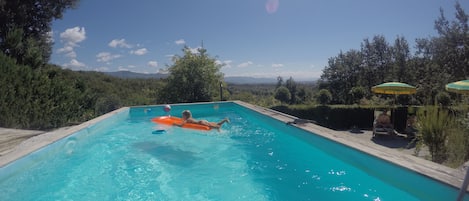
(15, 143)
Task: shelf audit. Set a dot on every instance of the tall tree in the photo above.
(279, 82)
(194, 77)
(25, 26)
(291, 86)
(377, 60)
(452, 47)
(343, 73)
(400, 58)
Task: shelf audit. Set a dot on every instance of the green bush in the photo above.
(457, 146)
(443, 98)
(338, 118)
(324, 97)
(282, 94)
(434, 125)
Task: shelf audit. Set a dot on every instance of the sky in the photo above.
(255, 38)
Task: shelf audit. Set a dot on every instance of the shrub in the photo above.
(357, 93)
(457, 146)
(324, 96)
(443, 98)
(434, 126)
(282, 94)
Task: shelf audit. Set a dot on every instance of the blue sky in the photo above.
(256, 38)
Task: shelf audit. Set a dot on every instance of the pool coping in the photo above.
(35, 143)
(444, 174)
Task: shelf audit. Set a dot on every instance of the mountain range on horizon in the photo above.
(228, 79)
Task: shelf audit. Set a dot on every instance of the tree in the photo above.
(291, 86)
(357, 93)
(25, 26)
(279, 82)
(452, 47)
(282, 94)
(194, 77)
(400, 57)
(324, 97)
(304, 94)
(343, 73)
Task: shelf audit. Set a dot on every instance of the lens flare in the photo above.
(271, 6)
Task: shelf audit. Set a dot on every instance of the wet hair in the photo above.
(186, 113)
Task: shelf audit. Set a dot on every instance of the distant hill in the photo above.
(130, 74)
(230, 80)
(249, 80)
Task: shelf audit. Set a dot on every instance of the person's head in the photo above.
(186, 114)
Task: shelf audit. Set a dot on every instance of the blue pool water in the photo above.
(252, 158)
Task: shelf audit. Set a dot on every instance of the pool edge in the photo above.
(36, 143)
(436, 171)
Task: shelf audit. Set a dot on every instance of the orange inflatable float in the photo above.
(169, 120)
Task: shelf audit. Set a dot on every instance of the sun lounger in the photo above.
(380, 128)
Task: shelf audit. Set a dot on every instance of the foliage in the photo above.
(444, 131)
(305, 95)
(51, 97)
(324, 96)
(34, 99)
(282, 94)
(332, 116)
(434, 125)
(194, 77)
(436, 62)
(257, 94)
(25, 28)
(442, 98)
(457, 146)
(291, 85)
(357, 93)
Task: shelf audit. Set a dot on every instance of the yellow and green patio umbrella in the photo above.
(394, 88)
(461, 87)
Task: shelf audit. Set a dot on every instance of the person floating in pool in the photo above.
(187, 118)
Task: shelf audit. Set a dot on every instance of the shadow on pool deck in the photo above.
(398, 142)
(394, 141)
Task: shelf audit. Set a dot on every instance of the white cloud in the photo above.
(163, 71)
(277, 65)
(71, 37)
(65, 49)
(102, 69)
(245, 64)
(122, 68)
(226, 63)
(153, 64)
(180, 42)
(50, 36)
(194, 50)
(119, 43)
(139, 52)
(75, 64)
(106, 56)
(71, 54)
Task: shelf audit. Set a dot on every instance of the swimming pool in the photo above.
(252, 158)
